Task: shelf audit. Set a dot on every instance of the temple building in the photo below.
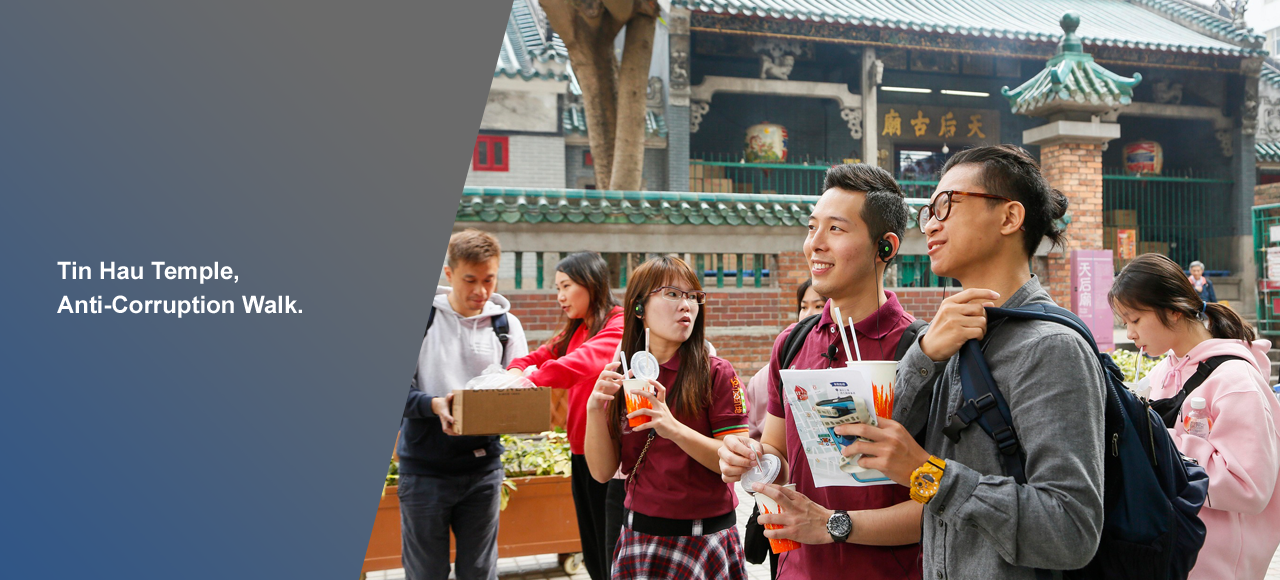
(1153, 116)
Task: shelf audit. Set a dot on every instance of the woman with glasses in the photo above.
(571, 360)
(679, 520)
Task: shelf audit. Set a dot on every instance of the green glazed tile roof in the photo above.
(1071, 80)
(1270, 73)
(1138, 24)
(1267, 152)
(489, 204)
(525, 51)
(486, 204)
(574, 121)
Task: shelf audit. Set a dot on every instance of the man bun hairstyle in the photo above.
(1010, 171)
(473, 247)
(885, 209)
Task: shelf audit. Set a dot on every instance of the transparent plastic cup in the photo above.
(768, 506)
(635, 402)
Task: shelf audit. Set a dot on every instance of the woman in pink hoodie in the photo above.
(1163, 313)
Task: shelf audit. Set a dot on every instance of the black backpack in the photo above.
(501, 327)
(1152, 493)
(755, 545)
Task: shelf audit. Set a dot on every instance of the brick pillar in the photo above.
(1075, 169)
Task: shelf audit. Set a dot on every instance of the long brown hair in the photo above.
(1154, 282)
(691, 393)
(589, 270)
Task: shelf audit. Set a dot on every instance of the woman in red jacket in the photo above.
(573, 359)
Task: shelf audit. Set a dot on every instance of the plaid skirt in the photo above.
(644, 557)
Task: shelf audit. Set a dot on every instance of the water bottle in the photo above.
(1198, 422)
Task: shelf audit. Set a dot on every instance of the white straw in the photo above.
(622, 356)
(646, 340)
(759, 469)
(1137, 363)
(840, 329)
(854, 332)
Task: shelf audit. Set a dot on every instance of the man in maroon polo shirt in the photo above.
(855, 230)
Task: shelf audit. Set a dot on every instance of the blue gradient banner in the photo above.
(315, 149)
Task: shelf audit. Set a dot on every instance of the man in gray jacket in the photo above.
(988, 215)
(447, 481)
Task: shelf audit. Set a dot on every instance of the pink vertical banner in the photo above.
(1091, 277)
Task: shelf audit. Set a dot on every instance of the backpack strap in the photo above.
(908, 338)
(1170, 408)
(984, 403)
(791, 346)
(501, 327)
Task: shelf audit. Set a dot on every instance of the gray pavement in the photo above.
(546, 567)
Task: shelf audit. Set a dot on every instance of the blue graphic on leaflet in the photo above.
(820, 401)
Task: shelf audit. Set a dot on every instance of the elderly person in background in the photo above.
(1201, 283)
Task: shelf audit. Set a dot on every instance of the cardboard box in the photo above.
(719, 185)
(695, 171)
(502, 411)
(742, 187)
(1121, 217)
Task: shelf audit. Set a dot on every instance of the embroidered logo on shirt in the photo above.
(737, 395)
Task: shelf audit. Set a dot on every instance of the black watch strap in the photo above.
(840, 518)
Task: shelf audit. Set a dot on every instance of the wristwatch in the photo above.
(839, 526)
(925, 479)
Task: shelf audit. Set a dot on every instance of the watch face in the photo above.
(839, 525)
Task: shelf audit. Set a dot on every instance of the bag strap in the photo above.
(639, 460)
(501, 327)
(908, 338)
(984, 403)
(431, 319)
(792, 345)
(1170, 408)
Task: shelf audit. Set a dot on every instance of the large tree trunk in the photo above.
(613, 99)
(633, 82)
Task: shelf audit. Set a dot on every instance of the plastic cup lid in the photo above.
(769, 465)
(644, 366)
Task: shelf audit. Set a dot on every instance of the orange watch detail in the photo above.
(925, 479)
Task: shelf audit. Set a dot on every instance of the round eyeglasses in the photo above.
(675, 295)
(940, 207)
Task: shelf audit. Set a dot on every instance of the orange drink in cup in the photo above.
(635, 402)
(768, 506)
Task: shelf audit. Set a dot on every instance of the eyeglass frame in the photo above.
(924, 221)
(690, 296)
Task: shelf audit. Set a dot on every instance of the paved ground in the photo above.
(546, 567)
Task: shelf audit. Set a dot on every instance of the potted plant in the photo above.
(537, 515)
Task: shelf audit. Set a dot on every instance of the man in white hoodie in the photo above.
(448, 481)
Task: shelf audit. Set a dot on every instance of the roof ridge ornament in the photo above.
(1071, 86)
(1070, 42)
